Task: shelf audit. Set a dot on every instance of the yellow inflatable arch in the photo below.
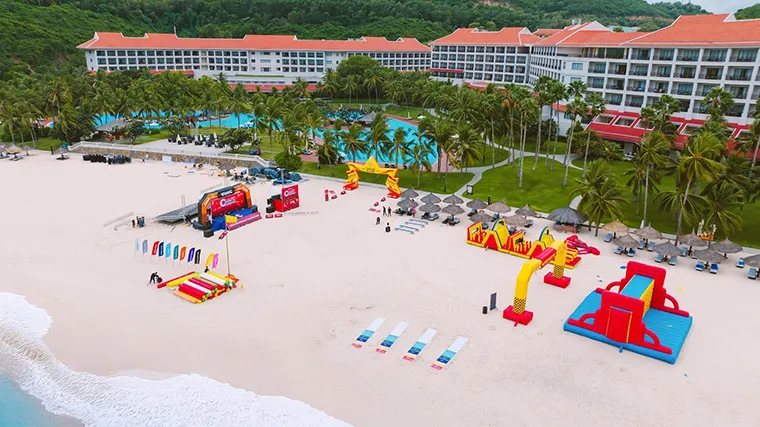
(371, 166)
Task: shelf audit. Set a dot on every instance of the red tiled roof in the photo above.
(560, 35)
(514, 36)
(546, 31)
(598, 38)
(698, 30)
(263, 42)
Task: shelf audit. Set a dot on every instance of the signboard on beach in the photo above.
(230, 203)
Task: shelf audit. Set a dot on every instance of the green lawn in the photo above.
(405, 111)
(161, 134)
(501, 155)
(46, 143)
(542, 189)
(407, 179)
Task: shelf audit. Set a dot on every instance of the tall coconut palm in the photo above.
(399, 147)
(273, 110)
(557, 92)
(576, 107)
(541, 89)
(351, 87)
(652, 153)
(595, 104)
(313, 121)
(373, 81)
(752, 138)
(238, 102)
(511, 98)
(439, 132)
(721, 209)
(529, 112)
(469, 145)
(491, 109)
(331, 84)
(601, 195)
(377, 139)
(353, 142)
(718, 101)
(418, 156)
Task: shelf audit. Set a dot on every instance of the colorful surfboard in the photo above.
(417, 348)
(392, 337)
(367, 334)
(449, 353)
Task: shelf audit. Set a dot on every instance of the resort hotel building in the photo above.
(251, 60)
(630, 70)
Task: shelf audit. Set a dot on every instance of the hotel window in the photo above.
(311, 69)
(195, 53)
(310, 54)
(301, 62)
(185, 53)
(320, 62)
(151, 61)
(140, 53)
(320, 55)
(210, 53)
(266, 53)
(311, 62)
(320, 70)
(285, 62)
(479, 76)
(141, 61)
(470, 48)
(576, 66)
(226, 53)
(196, 61)
(160, 60)
(235, 68)
(235, 61)
(285, 54)
(478, 58)
(302, 69)
(120, 53)
(500, 49)
(219, 60)
(285, 69)
(227, 68)
(101, 53)
(480, 49)
(169, 53)
(489, 58)
(265, 69)
(234, 54)
(188, 60)
(122, 61)
(101, 61)
(302, 54)
(243, 68)
(170, 60)
(489, 49)
(217, 53)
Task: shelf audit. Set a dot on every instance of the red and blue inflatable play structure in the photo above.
(631, 314)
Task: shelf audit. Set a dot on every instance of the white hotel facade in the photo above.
(254, 59)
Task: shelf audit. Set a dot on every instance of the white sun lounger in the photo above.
(403, 229)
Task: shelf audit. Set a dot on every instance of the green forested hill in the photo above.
(44, 32)
(752, 12)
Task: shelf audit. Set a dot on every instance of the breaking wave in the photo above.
(182, 400)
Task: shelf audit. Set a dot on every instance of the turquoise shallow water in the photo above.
(18, 409)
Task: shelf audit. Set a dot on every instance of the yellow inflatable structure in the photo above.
(371, 166)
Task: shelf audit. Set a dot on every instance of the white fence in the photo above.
(173, 151)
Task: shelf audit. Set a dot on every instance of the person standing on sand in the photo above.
(389, 211)
(384, 212)
(387, 227)
(152, 278)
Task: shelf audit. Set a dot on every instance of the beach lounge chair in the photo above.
(752, 273)
(618, 250)
(608, 238)
(700, 266)
(472, 212)
(631, 252)
(684, 251)
(642, 245)
(650, 248)
(673, 260)
(740, 263)
(454, 221)
(658, 258)
(714, 269)
(426, 215)
(447, 220)
(433, 217)
(529, 224)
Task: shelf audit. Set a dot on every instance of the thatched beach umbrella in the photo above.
(626, 241)
(709, 255)
(27, 148)
(226, 166)
(726, 247)
(453, 200)
(516, 220)
(62, 151)
(648, 233)
(431, 198)
(476, 204)
(692, 240)
(615, 227)
(526, 211)
(14, 149)
(667, 249)
(453, 210)
(429, 208)
(499, 207)
(752, 261)
(409, 194)
(568, 216)
(407, 203)
(481, 217)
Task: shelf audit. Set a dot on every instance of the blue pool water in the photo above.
(22, 410)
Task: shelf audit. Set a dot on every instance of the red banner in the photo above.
(290, 198)
(231, 203)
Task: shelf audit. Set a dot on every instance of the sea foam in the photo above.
(183, 400)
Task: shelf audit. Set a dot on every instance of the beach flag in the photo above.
(137, 245)
(182, 253)
(223, 234)
(198, 257)
(216, 261)
(229, 219)
(176, 253)
(191, 255)
(161, 249)
(168, 250)
(155, 248)
(145, 246)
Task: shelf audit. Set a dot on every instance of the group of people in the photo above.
(138, 221)
(387, 211)
(155, 278)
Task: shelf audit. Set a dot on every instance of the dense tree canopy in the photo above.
(38, 33)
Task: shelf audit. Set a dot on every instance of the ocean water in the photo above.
(121, 401)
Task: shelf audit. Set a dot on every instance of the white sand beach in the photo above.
(312, 283)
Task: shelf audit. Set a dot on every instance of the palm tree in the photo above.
(698, 164)
(511, 95)
(351, 86)
(718, 101)
(399, 147)
(331, 84)
(353, 143)
(557, 92)
(313, 121)
(601, 195)
(238, 102)
(418, 155)
(439, 131)
(541, 88)
(575, 107)
(752, 136)
(469, 145)
(373, 81)
(721, 210)
(377, 139)
(328, 149)
(652, 153)
(273, 110)
(301, 88)
(491, 109)
(595, 104)
(463, 107)
(394, 90)
(529, 111)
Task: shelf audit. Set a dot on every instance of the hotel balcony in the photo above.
(711, 75)
(661, 73)
(640, 88)
(597, 70)
(615, 86)
(618, 71)
(744, 56)
(682, 90)
(658, 88)
(714, 58)
(636, 102)
(688, 58)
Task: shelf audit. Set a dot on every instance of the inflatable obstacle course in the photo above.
(200, 287)
(631, 314)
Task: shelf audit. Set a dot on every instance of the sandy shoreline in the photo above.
(314, 282)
